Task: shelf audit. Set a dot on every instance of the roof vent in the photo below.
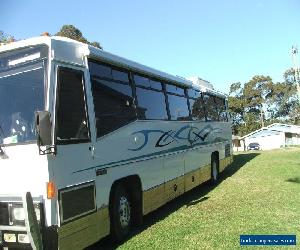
(199, 82)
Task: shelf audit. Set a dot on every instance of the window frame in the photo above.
(188, 118)
(135, 86)
(132, 72)
(167, 93)
(224, 105)
(74, 141)
(129, 83)
(176, 86)
(203, 106)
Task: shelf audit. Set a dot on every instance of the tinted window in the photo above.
(193, 93)
(221, 108)
(71, 122)
(113, 100)
(174, 89)
(113, 106)
(155, 85)
(197, 109)
(210, 107)
(120, 75)
(151, 104)
(142, 81)
(100, 70)
(178, 107)
(122, 88)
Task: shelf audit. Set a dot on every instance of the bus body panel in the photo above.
(167, 157)
(18, 176)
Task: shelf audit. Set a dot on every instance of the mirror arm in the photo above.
(43, 128)
(48, 150)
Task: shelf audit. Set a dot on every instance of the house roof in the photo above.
(274, 128)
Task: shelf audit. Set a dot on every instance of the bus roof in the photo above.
(62, 49)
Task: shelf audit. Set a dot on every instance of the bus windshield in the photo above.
(22, 81)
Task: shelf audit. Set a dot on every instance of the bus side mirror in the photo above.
(43, 128)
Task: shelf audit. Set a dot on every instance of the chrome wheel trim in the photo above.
(124, 212)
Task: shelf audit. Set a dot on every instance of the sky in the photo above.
(220, 41)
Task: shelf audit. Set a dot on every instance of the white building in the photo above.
(274, 136)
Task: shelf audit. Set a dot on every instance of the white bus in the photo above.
(96, 141)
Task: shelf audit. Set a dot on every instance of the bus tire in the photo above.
(137, 208)
(214, 170)
(120, 214)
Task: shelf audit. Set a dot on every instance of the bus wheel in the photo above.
(214, 170)
(121, 216)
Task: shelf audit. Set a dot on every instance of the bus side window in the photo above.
(151, 104)
(71, 121)
(197, 109)
(178, 105)
(178, 108)
(150, 98)
(210, 107)
(221, 107)
(112, 95)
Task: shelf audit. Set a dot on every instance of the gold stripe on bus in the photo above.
(174, 188)
(153, 198)
(224, 163)
(192, 179)
(157, 196)
(84, 231)
(205, 173)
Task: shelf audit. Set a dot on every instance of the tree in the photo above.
(5, 38)
(72, 32)
(288, 97)
(261, 102)
(236, 105)
(257, 94)
(247, 104)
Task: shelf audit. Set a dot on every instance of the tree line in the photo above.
(68, 30)
(261, 102)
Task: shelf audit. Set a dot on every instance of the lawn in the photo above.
(258, 194)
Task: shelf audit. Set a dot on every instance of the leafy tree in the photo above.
(72, 32)
(5, 38)
(247, 103)
(261, 102)
(290, 105)
(236, 104)
(257, 93)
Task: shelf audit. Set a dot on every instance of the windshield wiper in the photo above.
(3, 155)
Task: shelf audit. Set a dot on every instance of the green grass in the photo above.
(258, 194)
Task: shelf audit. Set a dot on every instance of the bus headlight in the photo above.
(18, 213)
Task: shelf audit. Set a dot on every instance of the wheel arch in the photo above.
(216, 155)
(133, 186)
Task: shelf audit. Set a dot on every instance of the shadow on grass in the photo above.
(294, 180)
(238, 161)
(191, 198)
